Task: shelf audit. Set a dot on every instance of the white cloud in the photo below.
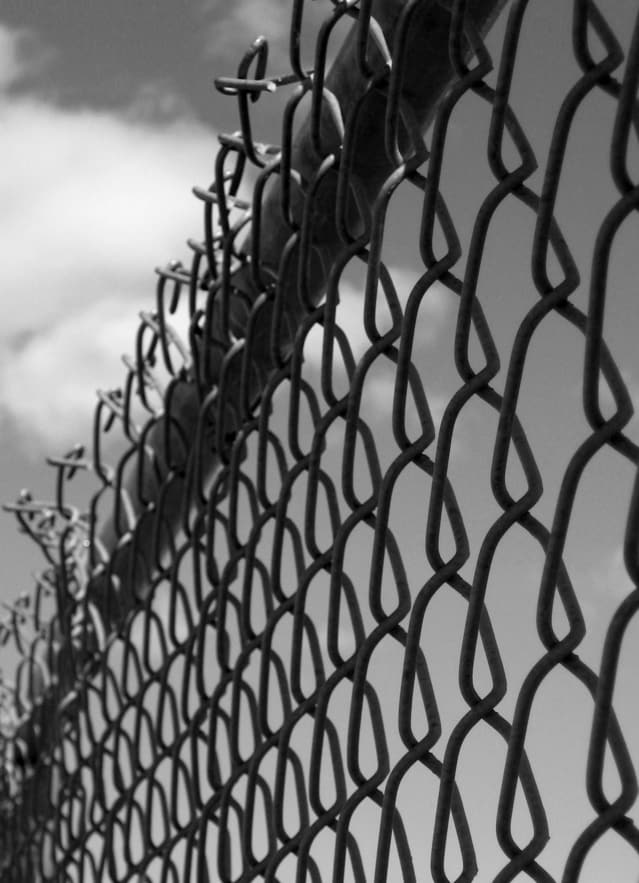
(48, 385)
(9, 59)
(608, 404)
(435, 306)
(90, 203)
(15, 49)
(612, 578)
(231, 28)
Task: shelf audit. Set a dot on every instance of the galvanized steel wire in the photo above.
(181, 708)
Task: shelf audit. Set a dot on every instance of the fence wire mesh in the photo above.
(329, 612)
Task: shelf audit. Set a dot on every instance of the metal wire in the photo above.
(228, 669)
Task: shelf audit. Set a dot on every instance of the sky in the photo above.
(109, 117)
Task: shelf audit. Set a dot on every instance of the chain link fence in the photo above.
(344, 587)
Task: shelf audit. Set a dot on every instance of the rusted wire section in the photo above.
(231, 667)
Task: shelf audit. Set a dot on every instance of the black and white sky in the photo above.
(109, 116)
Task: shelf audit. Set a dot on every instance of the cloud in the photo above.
(609, 407)
(612, 578)
(11, 57)
(90, 203)
(48, 385)
(231, 28)
(20, 56)
(436, 305)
